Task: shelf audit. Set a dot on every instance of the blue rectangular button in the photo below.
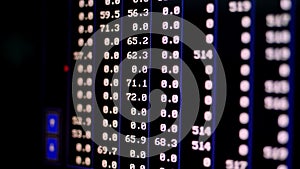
(52, 149)
(52, 123)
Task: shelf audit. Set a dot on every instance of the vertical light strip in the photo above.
(291, 79)
(181, 58)
(120, 102)
(251, 80)
(214, 90)
(149, 89)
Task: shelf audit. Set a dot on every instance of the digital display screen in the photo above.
(173, 84)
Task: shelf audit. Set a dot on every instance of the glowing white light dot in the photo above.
(81, 3)
(286, 4)
(208, 100)
(210, 23)
(206, 162)
(243, 150)
(80, 42)
(207, 116)
(244, 101)
(78, 147)
(243, 134)
(80, 81)
(283, 120)
(89, 68)
(208, 69)
(283, 137)
(78, 160)
(80, 68)
(79, 107)
(88, 108)
(209, 38)
(90, 28)
(91, 3)
(51, 147)
(245, 85)
(246, 21)
(89, 95)
(245, 37)
(89, 81)
(87, 161)
(79, 94)
(87, 148)
(90, 15)
(81, 16)
(245, 54)
(88, 134)
(208, 85)
(244, 118)
(90, 42)
(282, 166)
(80, 29)
(210, 8)
(52, 122)
(284, 70)
(245, 70)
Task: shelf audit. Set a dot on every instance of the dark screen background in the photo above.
(29, 30)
